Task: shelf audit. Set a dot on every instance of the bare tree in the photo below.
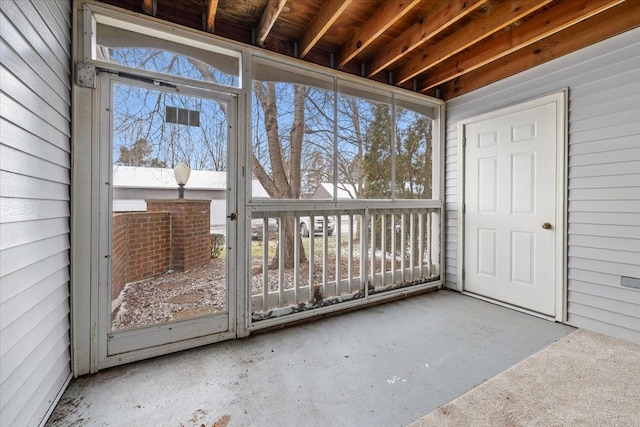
(285, 178)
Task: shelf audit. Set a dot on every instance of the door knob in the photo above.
(546, 226)
(232, 216)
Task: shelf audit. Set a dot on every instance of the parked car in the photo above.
(257, 228)
(318, 225)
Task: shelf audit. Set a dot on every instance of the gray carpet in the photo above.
(585, 379)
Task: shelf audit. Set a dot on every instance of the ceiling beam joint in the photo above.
(442, 17)
(210, 16)
(150, 7)
(552, 21)
(269, 17)
(390, 13)
(330, 12)
(501, 17)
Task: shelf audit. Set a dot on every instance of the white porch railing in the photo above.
(368, 251)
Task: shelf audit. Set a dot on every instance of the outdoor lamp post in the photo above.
(181, 173)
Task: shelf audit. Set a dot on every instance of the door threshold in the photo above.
(512, 307)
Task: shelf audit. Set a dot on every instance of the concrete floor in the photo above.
(386, 365)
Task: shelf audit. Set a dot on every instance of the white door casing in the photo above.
(512, 205)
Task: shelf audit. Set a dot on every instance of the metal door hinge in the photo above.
(86, 75)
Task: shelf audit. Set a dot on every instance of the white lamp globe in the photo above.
(181, 172)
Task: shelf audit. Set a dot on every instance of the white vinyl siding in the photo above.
(35, 131)
(603, 175)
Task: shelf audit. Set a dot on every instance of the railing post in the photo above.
(372, 245)
(281, 256)
(265, 264)
(296, 261)
(311, 258)
(435, 242)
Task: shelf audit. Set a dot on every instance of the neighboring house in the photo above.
(132, 185)
(49, 178)
(326, 191)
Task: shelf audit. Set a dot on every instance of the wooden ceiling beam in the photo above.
(502, 16)
(390, 13)
(269, 17)
(443, 16)
(150, 7)
(548, 23)
(331, 11)
(210, 15)
(609, 23)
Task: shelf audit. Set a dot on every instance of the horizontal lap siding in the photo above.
(35, 131)
(603, 206)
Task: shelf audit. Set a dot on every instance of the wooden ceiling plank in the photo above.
(609, 23)
(212, 8)
(150, 7)
(268, 18)
(548, 23)
(390, 13)
(502, 16)
(331, 11)
(446, 14)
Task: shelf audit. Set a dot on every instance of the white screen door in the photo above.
(168, 262)
(510, 207)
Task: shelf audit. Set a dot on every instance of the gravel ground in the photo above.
(173, 296)
(181, 295)
(201, 291)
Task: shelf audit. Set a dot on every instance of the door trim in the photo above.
(560, 98)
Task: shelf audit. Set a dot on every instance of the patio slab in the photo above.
(386, 365)
(585, 379)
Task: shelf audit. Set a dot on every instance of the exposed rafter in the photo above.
(453, 45)
(446, 14)
(331, 11)
(502, 16)
(268, 18)
(607, 24)
(150, 7)
(373, 28)
(548, 23)
(210, 15)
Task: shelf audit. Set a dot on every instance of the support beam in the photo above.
(150, 7)
(210, 15)
(609, 23)
(269, 17)
(501, 17)
(323, 21)
(548, 23)
(442, 17)
(390, 13)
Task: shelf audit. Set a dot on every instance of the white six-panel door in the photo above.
(509, 212)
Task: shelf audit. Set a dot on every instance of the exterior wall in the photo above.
(119, 254)
(129, 199)
(35, 162)
(603, 175)
(191, 244)
(141, 247)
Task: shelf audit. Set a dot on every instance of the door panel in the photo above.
(163, 283)
(510, 191)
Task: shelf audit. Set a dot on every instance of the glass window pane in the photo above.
(364, 148)
(139, 51)
(168, 257)
(293, 148)
(413, 147)
(144, 134)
